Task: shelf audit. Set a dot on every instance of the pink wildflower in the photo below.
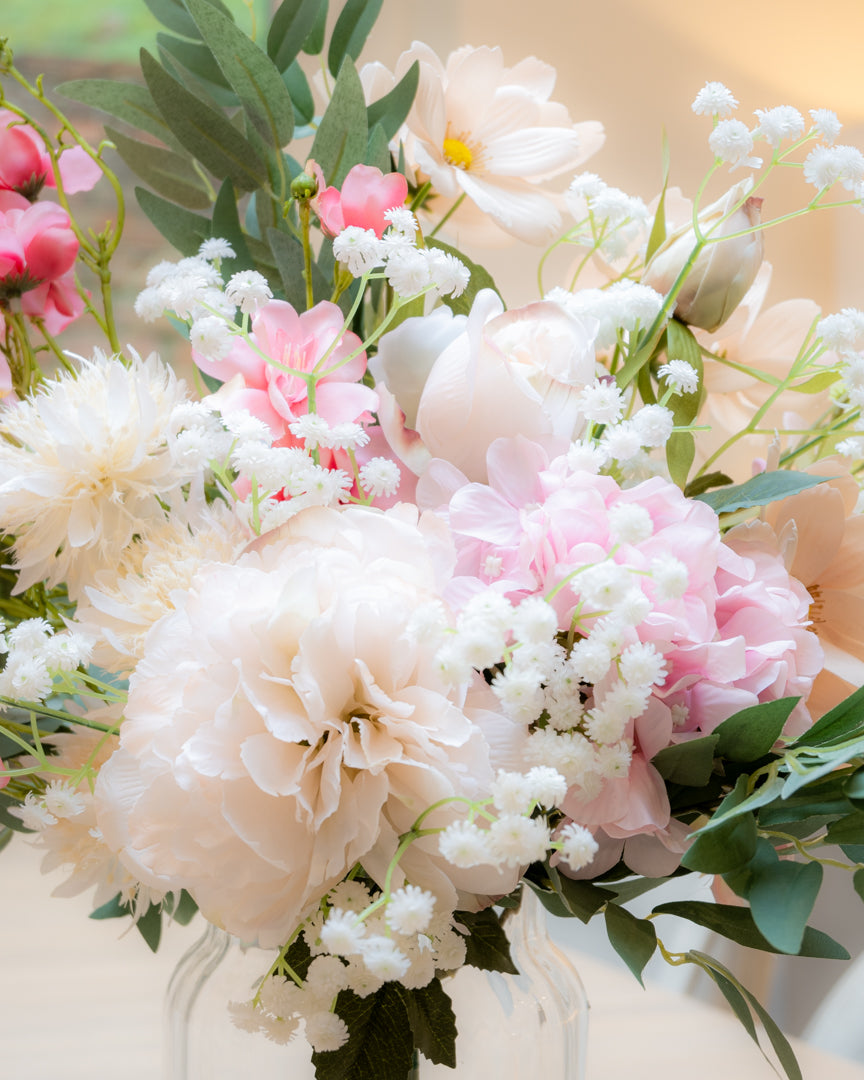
(366, 194)
(25, 166)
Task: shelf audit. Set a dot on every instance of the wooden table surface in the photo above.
(80, 1002)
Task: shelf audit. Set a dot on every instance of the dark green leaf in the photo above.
(781, 894)
(853, 852)
(378, 150)
(185, 230)
(183, 911)
(480, 279)
(703, 483)
(751, 733)
(658, 228)
(682, 345)
(680, 452)
(114, 908)
(172, 14)
(726, 847)
(149, 926)
(203, 131)
(765, 488)
(340, 142)
(250, 72)
(301, 96)
(853, 789)
(6, 835)
(129, 102)
(848, 830)
(379, 1038)
(486, 944)
(288, 253)
(433, 1022)
(391, 110)
(194, 57)
(625, 891)
(565, 897)
(858, 882)
(837, 724)
(735, 998)
(689, 763)
(736, 923)
(314, 43)
(226, 224)
(289, 29)
(633, 939)
(171, 175)
(352, 28)
(299, 956)
(819, 799)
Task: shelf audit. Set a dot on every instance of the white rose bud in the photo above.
(722, 273)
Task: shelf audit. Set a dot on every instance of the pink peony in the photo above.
(366, 193)
(25, 166)
(289, 340)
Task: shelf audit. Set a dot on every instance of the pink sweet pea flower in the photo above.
(25, 167)
(366, 193)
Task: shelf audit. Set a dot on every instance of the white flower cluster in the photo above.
(829, 165)
(607, 218)
(843, 332)
(35, 655)
(408, 269)
(621, 309)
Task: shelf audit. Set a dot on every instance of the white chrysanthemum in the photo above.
(714, 99)
(285, 725)
(90, 469)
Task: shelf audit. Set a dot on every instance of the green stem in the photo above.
(448, 215)
(304, 211)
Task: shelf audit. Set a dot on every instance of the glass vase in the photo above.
(510, 1026)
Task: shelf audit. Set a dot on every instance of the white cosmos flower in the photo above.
(90, 466)
(480, 129)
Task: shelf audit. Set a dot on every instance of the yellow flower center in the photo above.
(456, 153)
(816, 614)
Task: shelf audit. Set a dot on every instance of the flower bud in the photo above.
(304, 186)
(723, 271)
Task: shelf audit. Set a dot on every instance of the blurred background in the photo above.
(636, 67)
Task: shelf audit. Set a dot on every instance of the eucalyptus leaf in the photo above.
(392, 110)
(378, 149)
(185, 230)
(182, 910)
(765, 488)
(314, 43)
(301, 96)
(819, 763)
(837, 724)
(170, 174)
(858, 882)
(725, 848)
(149, 926)
(751, 733)
(380, 1042)
(288, 255)
(132, 104)
(226, 224)
(633, 939)
(781, 894)
(203, 131)
(195, 57)
(700, 484)
(115, 908)
(432, 1020)
(848, 830)
(352, 28)
(291, 25)
(340, 142)
(249, 70)
(480, 279)
(690, 763)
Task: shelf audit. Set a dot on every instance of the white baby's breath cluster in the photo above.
(608, 220)
(35, 655)
(409, 269)
(843, 333)
(622, 309)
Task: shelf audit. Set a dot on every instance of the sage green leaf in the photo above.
(301, 96)
(185, 230)
(858, 882)
(816, 384)
(680, 452)
(625, 891)
(250, 72)
(171, 175)
(182, 910)
(751, 733)
(129, 102)
(288, 255)
(689, 763)
(736, 923)
(837, 724)
(172, 14)
(314, 43)
(291, 25)
(726, 847)
(115, 908)
(812, 766)
(565, 897)
(149, 926)
(682, 345)
(658, 228)
(853, 852)
(486, 945)
(226, 224)
(765, 488)
(433, 1022)
(480, 279)
(378, 150)
(391, 110)
(633, 939)
(825, 799)
(340, 142)
(781, 894)
(194, 57)
(352, 28)
(380, 1042)
(848, 830)
(203, 131)
(700, 484)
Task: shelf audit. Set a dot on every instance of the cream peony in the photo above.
(84, 464)
(289, 721)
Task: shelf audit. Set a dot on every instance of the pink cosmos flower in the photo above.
(25, 166)
(267, 390)
(366, 193)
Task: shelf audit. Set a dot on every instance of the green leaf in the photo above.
(682, 345)
(149, 926)
(625, 891)
(314, 43)
(299, 956)
(751, 733)
(736, 923)
(690, 763)
(114, 908)
(380, 1043)
(171, 175)
(486, 944)
(289, 29)
(378, 149)
(185, 230)
(658, 228)
(226, 224)
(340, 142)
(837, 724)
(765, 488)
(194, 57)
(565, 897)
(858, 883)
(250, 71)
(817, 383)
(301, 96)
(391, 110)
(172, 14)
(781, 894)
(183, 911)
(727, 847)
(433, 1022)
(132, 104)
(633, 939)
(848, 830)
(288, 254)
(853, 852)
(352, 28)
(853, 789)
(700, 484)
(203, 131)
(680, 452)
(480, 279)
(813, 765)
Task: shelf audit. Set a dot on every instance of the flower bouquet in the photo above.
(412, 605)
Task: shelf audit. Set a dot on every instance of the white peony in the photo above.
(287, 722)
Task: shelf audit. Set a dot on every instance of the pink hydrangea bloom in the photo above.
(25, 166)
(366, 194)
(296, 341)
